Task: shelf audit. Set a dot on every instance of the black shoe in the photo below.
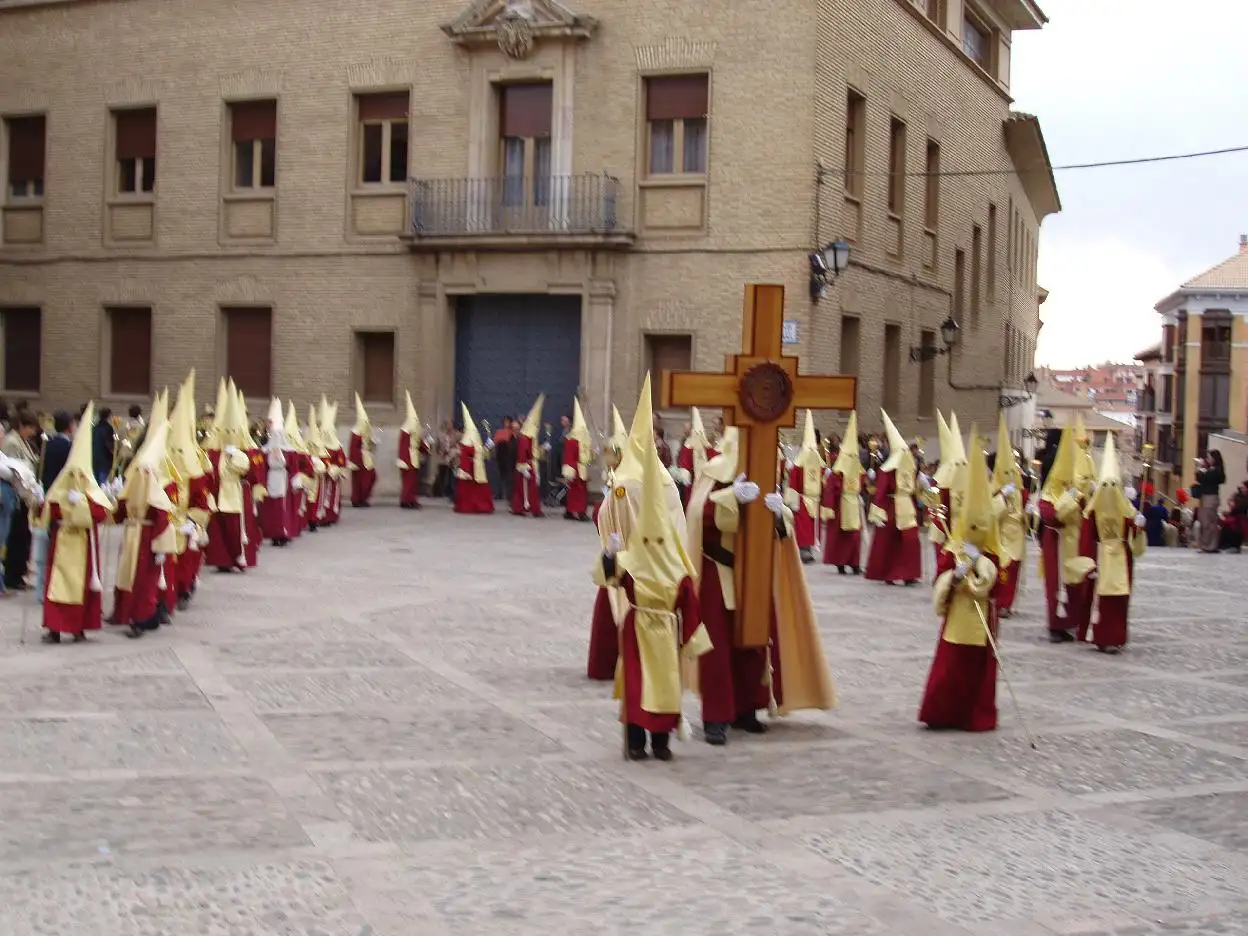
(50, 637)
(134, 632)
(1061, 636)
(638, 754)
(807, 557)
(663, 753)
(716, 733)
(750, 724)
(184, 602)
(840, 570)
(910, 582)
(80, 637)
(855, 571)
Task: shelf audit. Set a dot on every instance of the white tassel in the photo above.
(161, 583)
(95, 584)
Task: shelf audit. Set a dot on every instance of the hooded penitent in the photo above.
(901, 462)
(1085, 465)
(1061, 476)
(1011, 528)
(364, 430)
(74, 539)
(698, 445)
(472, 437)
(848, 465)
(187, 455)
(812, 465)
(975, 525)
(411, 425)
(627, 477)
(584, 444)
(275, 449)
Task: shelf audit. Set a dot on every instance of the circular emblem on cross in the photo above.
(765, 392)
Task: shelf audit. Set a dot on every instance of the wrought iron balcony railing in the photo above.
(584, 205)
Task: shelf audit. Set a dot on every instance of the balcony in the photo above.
(508, 213)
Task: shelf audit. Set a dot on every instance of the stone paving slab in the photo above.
(370, 735)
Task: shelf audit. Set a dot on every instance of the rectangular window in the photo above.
(525, 120)
(931, 183)
(130, 350)
(135, 141)
(855, 142)
(22, 331)
(936, 12)
(977, 39)
(667, 353)
(927, 374)
(892, 369)
(253, 133)
(977, 265)
(851, 344)
(992, 253)
(896, 167)
(677, 110)
(249, 349)
(27, 138)
(382, 148)
(375, 354)
(1215, 397)
(959, 285)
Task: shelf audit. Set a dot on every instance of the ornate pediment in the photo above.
(516, 26)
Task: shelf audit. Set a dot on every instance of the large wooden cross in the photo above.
(760, 392)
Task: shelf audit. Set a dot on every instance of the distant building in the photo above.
(1203, 371)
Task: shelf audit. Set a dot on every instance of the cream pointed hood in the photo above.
(1005, 469)
(580, 432)
(183, 449)
(362, 425)
(899, 456)
(808, 456)
(619, 432)
(471, 435)
(1108, 500)
(78, 473)
(411, 420)
(641, 441)
(848, 463)
(975, 522)
(293, 435)
(726, 465)
(533, 422)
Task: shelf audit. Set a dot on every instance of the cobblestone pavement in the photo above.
(385, 731)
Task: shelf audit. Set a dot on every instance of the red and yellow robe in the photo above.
(72, 591)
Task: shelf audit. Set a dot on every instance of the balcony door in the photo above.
(523, 198)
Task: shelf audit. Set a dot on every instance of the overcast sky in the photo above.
(1112, 79)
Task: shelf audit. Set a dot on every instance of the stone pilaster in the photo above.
(1191, 395)
(1239, 373)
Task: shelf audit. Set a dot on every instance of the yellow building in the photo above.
(1204, 364)
(486, 200)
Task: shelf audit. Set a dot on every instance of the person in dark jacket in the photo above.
(56, 453)
(102, 439)
(1210, 477)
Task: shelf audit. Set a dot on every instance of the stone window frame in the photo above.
(145, 168)
(26, 198)
(358, 132)
(257, 186)
(676, 175)
(107, 388)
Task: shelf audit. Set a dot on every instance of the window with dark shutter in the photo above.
(23, 348)
(135, 132)
(27, 155)
(382, 146)
(376, 357)
(677, 97)
(130, 350)
(676, 121)
(525, 110)
(667, 353)
(253, 130)
(249, 349)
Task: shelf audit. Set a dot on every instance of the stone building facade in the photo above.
(486, 200)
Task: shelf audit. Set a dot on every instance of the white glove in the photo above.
(188, 529)
(878, 522)
(1033, 508)
(960, 570)
(231, 450)
(827, 473)
(545, 446)
(489, 443)
(871, 475)
(744, 490)
(1139, 521)
(1009, 490)
(37, 495)
(1093, 576)
(6, 472)
(1130, 492)
(924, 483)
(606, 492)
(972, 552)
(160, 558)
(74, 497)
(525, 471)
(615, 542)
(296, 483)
(775, 503)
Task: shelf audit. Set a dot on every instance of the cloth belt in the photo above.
(717, 553)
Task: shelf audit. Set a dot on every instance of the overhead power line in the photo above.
(1137, 161)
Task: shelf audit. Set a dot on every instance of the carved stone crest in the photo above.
(514, 34)
(765, 392)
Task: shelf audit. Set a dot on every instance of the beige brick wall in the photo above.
(779, 71)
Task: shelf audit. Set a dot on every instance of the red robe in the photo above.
(1051, 559)
(840, 547)
(684, 461)
(961, 688)
(277, 514)
(192, 560)
(577, 503)
(409, 474)
(803, 522)
(1111, 610)
(472, 497)
(894, 555)
(225, 530)
(299, 498)
(331, 504)
(523, 503)
(604, 636)
(690, 619)
(153, 583)
(71, 618)
(362, 479)
(257, 474)
(943, 524)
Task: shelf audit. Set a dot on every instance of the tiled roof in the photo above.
(1231, 273)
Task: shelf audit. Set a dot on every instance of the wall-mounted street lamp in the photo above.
(950, 334)
(825, 266)
(1008, 400)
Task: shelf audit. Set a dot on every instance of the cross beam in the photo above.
(760, 392)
